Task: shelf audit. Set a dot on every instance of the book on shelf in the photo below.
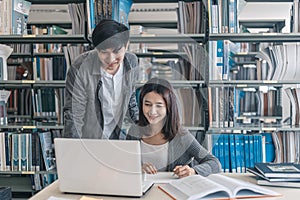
(2, 152)
(78, 17)
(214, 186)
(122, 11)
(5, 52)
(47, 150)
(14, 16)
(4, 95)
(20, 13)
(3, 113)
(192, 17)
(278, 170)
(97, 10)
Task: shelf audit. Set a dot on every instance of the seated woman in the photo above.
(165, 144)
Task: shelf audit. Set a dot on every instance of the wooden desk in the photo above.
(156, 194)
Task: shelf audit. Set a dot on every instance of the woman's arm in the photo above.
(185, 146)
(206, 162)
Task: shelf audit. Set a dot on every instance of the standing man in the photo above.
(100, 86)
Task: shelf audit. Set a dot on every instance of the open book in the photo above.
(215, 186)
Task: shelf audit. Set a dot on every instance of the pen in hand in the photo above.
(187, 163)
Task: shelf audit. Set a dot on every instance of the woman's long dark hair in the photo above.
(164, 88)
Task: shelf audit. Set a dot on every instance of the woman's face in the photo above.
(154, 108)
(111, 59)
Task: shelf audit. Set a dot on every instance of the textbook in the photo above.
(254, 171)
(292, 184)
(214, 186)
(278, 170)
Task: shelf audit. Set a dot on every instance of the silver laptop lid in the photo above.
(107, 167)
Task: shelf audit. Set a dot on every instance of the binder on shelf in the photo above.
(251, 150)
(222, 151)
(232, 150)
(238, 153)
(226, 153)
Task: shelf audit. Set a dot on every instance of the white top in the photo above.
(111, 104)
(155, 154)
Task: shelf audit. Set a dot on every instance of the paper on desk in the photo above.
(161, 177)
(82, 198)
(88, 198)
(57, 198)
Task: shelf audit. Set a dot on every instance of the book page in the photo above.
(161, 177)
(198, 186)
(241, 188)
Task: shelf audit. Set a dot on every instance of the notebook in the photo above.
(103, 167)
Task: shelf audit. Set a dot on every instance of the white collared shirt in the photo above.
(111, 103)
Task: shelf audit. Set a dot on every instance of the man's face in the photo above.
(111, 59)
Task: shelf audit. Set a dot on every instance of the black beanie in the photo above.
(106, 29)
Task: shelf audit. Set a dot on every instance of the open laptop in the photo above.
(104, 167)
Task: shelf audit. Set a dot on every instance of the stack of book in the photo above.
(277, 174)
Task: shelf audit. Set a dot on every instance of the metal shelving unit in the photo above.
(32, 84)
(245, 128)
(33, 125)
(34, 39)
(83, 1)
(256, 37)
(176, 38)
(200, 38)
(252, 83)
(20, 184)
(183, 83)
(161, 54)
(160, 24)
(56, 1)
(269, 1)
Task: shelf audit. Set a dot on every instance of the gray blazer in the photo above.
(83, 117)
(181, 148)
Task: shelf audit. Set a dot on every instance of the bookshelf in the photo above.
(256, 37)
(201, 86)
(29, 126)
(256, 105)
(161, 51)
(31, 123)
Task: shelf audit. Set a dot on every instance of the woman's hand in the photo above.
(149, 168)
(182, 171)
